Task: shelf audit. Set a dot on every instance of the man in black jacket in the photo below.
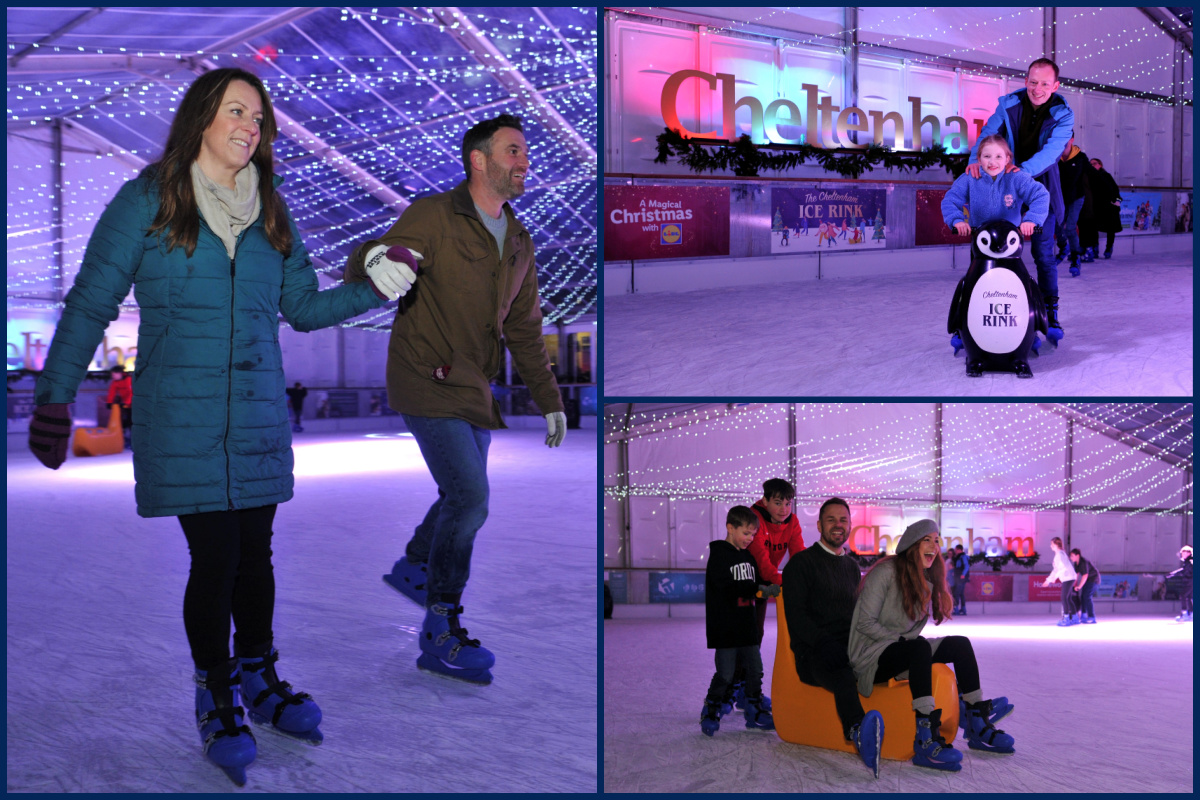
(819, 584)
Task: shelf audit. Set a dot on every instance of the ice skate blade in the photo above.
(400, 586)
(235, 774)
(953, 767)
(261, 723)
(435, 666)
(983, 748)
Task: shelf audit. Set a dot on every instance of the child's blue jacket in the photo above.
(1001, 197)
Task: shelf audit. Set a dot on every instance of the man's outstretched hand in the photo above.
(49, 432)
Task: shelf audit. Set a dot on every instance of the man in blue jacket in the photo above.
(1037, 122)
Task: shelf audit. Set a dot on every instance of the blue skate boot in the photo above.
(1054, 330)
(758, 713)
(226, 737)
(445, 648)
(408, 578)
(981, 734)
(1000, 709)
(931, 749)
(868, 739)
(956, 343)
(272, 703)
(710, 718)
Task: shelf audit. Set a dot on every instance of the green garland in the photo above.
(747, 159)
(996, 562)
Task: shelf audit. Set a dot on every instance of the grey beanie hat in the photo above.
(915, 533)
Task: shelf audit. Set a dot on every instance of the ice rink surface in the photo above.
(1128, 327)
(100, 692)
(1099, 708)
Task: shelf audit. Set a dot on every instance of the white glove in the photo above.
(391, 278)
(556, 428)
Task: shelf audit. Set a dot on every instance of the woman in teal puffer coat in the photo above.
(214, 256)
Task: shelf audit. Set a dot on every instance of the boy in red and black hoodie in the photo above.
(778, 533)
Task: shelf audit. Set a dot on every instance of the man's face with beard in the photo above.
(834, 526)
(507, 164)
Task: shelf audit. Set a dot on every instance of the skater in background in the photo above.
(1036, 122)
(297, 394)
(479, 290)
(1106, 208)
(211, 443)
(1185, 599)
(996, 194)
(120, 391)
(960, 574)
(731, 584)
(1086, 578)
(1072, 175)
(1062, 572)
(818, 595)
(897, 596)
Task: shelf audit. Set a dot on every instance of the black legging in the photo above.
(917, 656)
(231, 575)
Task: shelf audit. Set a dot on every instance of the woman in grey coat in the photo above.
(895, 600)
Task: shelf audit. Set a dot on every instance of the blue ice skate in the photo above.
(1001, 709)
(758, 713)
(956, 343)
(272, 703)
(868, 739)
(408, 578)
(446, 649)
(710, 718)
(930, 749)
(226, 737)
(982, 734)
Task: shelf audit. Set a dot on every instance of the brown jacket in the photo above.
(465, 298)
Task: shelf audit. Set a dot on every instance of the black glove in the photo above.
(770, 590)
(49, 432)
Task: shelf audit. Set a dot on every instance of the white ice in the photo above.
(1128, 327)
(1099, 708)
(100, 696)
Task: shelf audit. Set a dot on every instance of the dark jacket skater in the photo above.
(1107, 217)
(730, 584)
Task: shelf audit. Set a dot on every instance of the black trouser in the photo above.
(727, 658)
(760, 610)
(959, 590)
(917, 656)
(827, 665)
(231, 575)
(1068, 599)
(1186, 599)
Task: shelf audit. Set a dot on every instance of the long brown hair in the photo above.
(178, 216)
(911, 576)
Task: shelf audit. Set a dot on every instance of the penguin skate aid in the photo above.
(732, 582)
(898, 597)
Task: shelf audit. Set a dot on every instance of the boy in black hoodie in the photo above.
(731, 583)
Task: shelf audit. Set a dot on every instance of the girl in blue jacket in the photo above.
(996, 193)
(215, 257)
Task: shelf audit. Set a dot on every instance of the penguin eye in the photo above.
(983, 240)
(1014, 239)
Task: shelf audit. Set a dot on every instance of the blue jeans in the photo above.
(727, 659)
(1043, 257)
(456, 453)
(1069, 235)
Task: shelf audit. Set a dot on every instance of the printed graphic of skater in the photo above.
(1185, 599)
(845, 228)
(445, 342)
(996, 194)
(225, 471)
(783, 237)
(818, 587)
(1086, 579)
(1037, 123)
(895, 600)
(731, 583)
(1063, 572)
(804, 226)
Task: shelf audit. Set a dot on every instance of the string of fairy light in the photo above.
(373, 108)
(876, 460)
(1011, 26)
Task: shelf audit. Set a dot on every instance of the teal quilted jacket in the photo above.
(210, 423)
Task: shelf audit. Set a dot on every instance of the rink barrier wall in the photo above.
(1163, 608)
(623, 277)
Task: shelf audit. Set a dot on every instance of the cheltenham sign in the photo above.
(822, 118)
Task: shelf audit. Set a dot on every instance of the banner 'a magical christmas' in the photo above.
(827, 219)
(665, 222)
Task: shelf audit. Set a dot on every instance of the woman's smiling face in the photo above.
(929, 549)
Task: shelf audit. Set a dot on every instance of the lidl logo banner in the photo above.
(665, 222)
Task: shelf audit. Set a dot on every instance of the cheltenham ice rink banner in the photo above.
(807, 219)
(665, 222)
(1141, 212)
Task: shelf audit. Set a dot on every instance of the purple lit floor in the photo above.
(1128, 333)
(99, 675)
(1099, 708)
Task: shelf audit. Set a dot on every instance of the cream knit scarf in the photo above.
(227, 211)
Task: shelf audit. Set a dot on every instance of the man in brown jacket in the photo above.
(477, 286)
